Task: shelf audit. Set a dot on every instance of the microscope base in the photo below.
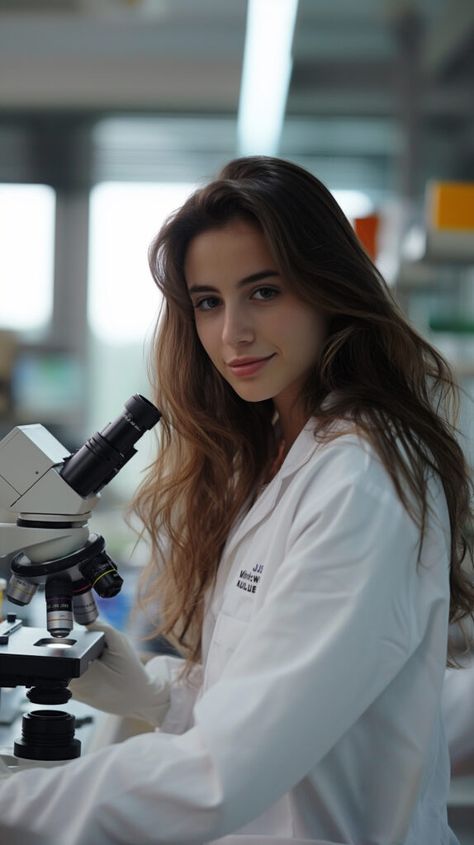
(16, 764)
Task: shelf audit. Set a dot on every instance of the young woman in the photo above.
(306, 512)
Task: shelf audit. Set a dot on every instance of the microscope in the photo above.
(49, 495)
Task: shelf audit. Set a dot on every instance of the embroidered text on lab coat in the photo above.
(248, 581)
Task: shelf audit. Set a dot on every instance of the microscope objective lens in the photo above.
(59, 618)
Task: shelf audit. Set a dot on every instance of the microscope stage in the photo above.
(31, 655)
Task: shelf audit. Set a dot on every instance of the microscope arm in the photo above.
(50, 518)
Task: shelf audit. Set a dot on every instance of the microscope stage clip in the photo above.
(9, 626)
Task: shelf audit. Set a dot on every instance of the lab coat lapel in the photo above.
(300, 452)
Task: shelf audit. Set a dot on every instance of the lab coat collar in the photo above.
(306, 442)
(300, 452)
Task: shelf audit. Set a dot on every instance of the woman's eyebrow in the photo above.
(247, 280)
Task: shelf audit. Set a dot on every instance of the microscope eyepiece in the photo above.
(107, 451)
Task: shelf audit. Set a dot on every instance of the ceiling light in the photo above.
(265, 75)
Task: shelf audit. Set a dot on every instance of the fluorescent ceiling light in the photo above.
(265, 75)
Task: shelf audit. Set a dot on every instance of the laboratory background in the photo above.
(113, 111)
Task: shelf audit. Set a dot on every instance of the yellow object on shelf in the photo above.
(450, 206)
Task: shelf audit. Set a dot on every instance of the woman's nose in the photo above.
(237, 327)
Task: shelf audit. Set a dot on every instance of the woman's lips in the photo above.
(249, 366)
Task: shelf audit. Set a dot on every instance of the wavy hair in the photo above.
(216, 449)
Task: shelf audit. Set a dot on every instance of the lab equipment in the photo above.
(46, 665)
(52, 494)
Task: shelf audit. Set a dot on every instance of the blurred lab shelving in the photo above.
(435, 286)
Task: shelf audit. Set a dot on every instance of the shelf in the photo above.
(451, 246)
(453, 324)
(423, 276)
(438, 246)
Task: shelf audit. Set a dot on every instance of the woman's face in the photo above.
(259, 335)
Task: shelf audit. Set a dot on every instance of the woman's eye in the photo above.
(264, 294)
(206, 304)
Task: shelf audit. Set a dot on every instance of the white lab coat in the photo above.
(316, 716)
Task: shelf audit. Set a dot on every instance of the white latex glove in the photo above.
(117, 681)
(5, 771)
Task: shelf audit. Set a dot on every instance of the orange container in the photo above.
(367, 229)
(450, 206)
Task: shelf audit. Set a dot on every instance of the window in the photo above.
(27, 215)
(123, 300)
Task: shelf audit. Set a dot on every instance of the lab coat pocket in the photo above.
(228, 632)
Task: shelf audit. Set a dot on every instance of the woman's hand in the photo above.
(117, 681)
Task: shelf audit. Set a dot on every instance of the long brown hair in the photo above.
(216, 448)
